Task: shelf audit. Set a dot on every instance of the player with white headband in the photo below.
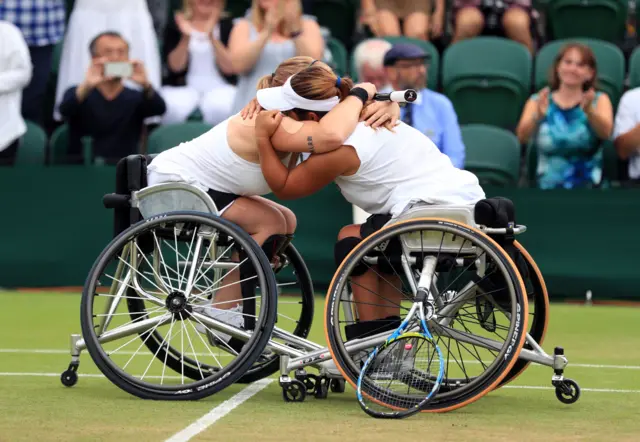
(224, 162)
(382, 172)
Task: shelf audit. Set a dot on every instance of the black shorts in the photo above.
(373, 224)
(222, 200)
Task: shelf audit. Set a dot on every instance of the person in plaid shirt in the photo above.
(42, 23)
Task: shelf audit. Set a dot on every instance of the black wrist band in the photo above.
(359, 92)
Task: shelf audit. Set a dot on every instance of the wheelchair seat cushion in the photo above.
(497, 212)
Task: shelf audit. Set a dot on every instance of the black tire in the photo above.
(539, 318)
(450, 399)
(216, 381)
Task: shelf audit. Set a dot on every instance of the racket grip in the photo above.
(406, 96)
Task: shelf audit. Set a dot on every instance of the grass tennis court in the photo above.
(601, 342)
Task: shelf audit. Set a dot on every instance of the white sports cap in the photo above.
(284, 98)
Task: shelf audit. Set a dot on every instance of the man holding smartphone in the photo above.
(104, 108)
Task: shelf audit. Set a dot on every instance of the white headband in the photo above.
(285, 98)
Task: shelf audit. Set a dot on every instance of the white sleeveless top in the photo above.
(404, 167)
(208, 162)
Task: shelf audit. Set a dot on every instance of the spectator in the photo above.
(197, 61)
(568, 120)
(384, 17)
(509, 17)
(432, 113)
(15, 74)
(274, 31)
(627, 131)
(130, 18)
(104, 109)
(42, 25)
(369, 57)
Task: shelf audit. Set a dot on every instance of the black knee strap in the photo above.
(342, 248)
(275, 244)
(248, 290)
(369, 328)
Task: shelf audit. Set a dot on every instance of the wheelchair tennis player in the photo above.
(382, 172)
(224, 163)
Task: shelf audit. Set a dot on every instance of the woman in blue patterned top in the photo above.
(568, 121)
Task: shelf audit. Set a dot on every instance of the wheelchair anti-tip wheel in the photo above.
(382, 271)
(198, 293)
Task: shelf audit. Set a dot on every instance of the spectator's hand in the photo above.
(95, 74)
(273, 17)
(380, 113)
(292, 15)
(139, 74)
(251, 110)
(267, 123)
(437, 25)
(587, 100)
(369, 87)
(183, 24)
(214, 18)
(543, 103)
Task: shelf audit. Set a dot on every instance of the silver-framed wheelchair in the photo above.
(182, 304)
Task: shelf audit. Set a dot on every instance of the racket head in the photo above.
(401, 376)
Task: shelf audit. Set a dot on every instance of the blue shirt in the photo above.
(42, 22)
(434, 116)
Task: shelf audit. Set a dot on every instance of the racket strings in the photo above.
(401, 375)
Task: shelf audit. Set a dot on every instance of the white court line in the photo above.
(521, 387)
(59, 351)
(219, 411)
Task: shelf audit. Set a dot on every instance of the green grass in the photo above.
(38, 408)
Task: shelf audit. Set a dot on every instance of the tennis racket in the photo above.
(404, 373)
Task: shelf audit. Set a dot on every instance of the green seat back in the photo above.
(59, 147)
(599, 19)
(610, 60)
(492, 153)
(33, 146)
(339, 16)
(170, 135)
(634, 68)
(488, 80)
(238, 8)
(339, 56)
(433, 66)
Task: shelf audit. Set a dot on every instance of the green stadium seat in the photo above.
(610, 59)
(339, 56)
(170, 135)
(238, 8)
(488, 80)
(634, 68)
(492, 153)
(59, 146)
(433, 72)
(339, 16)
(598, 19)
(32, 149)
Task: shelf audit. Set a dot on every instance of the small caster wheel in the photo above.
(322, 388)
(294, 391)
(310, 382)
(337, 385)
(568, 391)
(69, 378)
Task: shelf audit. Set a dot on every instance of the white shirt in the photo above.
(627, 116)
(397, 169)
(203, 74)
(15, 75)
(208, 162)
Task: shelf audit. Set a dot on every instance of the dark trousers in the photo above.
(34, 94)
(8, 155)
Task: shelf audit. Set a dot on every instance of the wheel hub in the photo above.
(177, 304)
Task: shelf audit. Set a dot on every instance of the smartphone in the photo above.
(120, 69)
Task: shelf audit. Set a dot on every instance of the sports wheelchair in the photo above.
(156, 294)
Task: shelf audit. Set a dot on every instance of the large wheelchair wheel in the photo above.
(479, 351)
(538, 307)
(163, 268)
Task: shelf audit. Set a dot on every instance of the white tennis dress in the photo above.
(402, 168)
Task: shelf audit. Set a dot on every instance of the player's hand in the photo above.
(380, 114)
(267, 123)
(251, 110)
